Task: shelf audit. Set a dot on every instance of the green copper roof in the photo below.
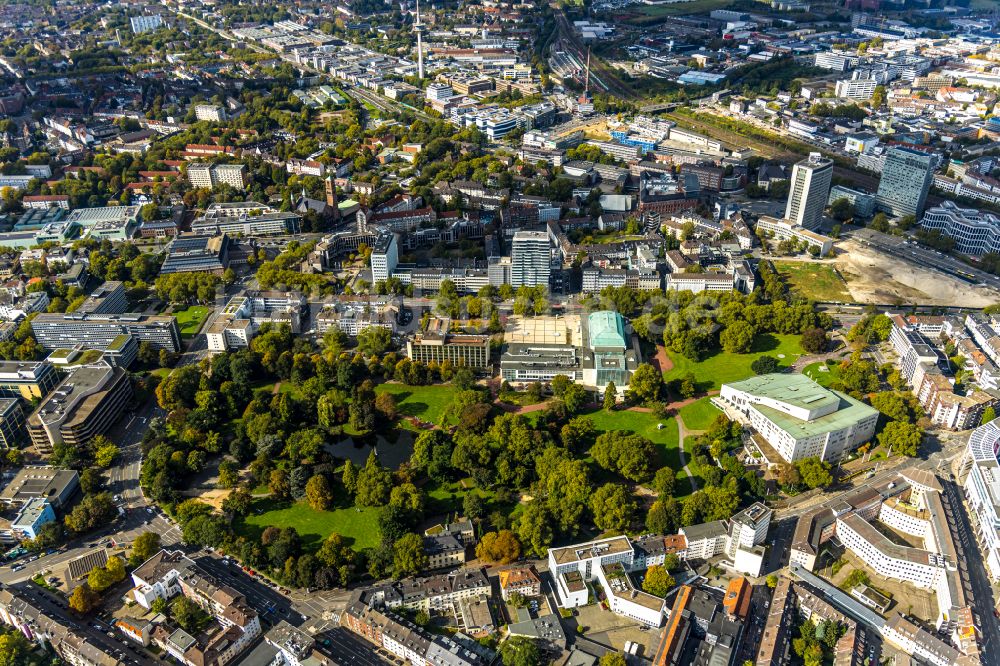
(607, 329)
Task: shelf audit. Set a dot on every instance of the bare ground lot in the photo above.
(873, 277)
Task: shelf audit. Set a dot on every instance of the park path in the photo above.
(683, 432)
(537, 407)
(661, 361)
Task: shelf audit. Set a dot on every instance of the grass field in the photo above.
(699, 415)
(827, 378)
(361, 527)
(818, 282)
(425, 402)
(644, 424)
(721, 367)
(190, 319)
(446, 498)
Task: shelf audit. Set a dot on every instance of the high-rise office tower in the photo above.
(530, 259)
(808, 191)
(906, 179)
(384, 257)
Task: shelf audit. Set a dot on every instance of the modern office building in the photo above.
(11, 423)
(863, 202)
(606, 562)
(246, 218)
(975, 232)
(32, 482)
(193, 254)
(108, 298)
(54, 330)
(530, 259)
(31, 517)
(210, 175)
(798, 418)
(437, 344)
(85, 404)
(906, 178)
(245, 313)
(27, 379)
(384, 257)
(809, 190)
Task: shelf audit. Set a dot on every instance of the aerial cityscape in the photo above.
(497, 333)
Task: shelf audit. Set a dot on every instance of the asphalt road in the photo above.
(53, 606)
(973, 573)
(347, 648)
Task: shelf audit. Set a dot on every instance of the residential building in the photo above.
(443, 551)
(52, 632)
(523, 580)
(906, 178)
(436, 344)
(798, 418)
(141, 24)
(236, 625)
(85, 404)
(530, 259)
(295, 647)
(352, 318)
(809, 190)
(975, 232)
(55, 330)
(208, 176)
(210, 112)
(404, 639)
(33, 482)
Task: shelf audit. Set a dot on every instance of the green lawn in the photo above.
(827, 378)
(645, 424)
(721, 367)
(446, 498)
(818, 282)
(190, 319)
(699, 415)
(361, 527)
(425, 402)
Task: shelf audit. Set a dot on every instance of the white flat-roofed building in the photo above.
(699, 282)
(786, 229)
(799, 418)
